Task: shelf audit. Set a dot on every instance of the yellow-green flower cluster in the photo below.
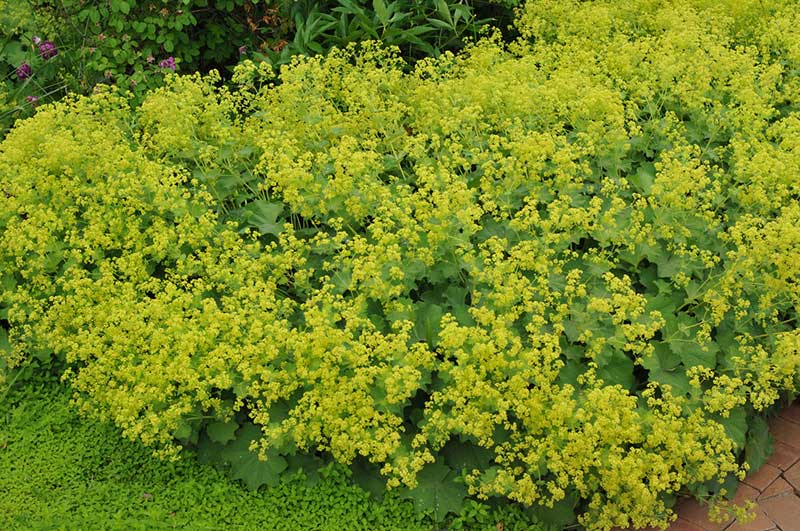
(579, 252)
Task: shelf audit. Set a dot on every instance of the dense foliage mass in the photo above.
(573, 260)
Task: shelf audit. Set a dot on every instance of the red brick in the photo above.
(692, 511)
(793, 476)
(761, 523)
(778, 487)
(792, 412)
(744, 493)
(763, 477)
(785, 431)
(784, 511)
(682, 525)
(784, 456)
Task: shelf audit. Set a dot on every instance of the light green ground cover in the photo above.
(59, 471)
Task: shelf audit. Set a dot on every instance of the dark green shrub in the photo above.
(132, 42)
(419, 28)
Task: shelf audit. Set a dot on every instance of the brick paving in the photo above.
(775, 488)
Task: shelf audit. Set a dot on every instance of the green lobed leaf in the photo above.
(246, 465)
(427, 322)
(184, 431)
(222, 432)
(615, 368)
(460, 455)
(644, 177)
(263, 216)
(437, 492)
(560, 515)
(664, 367)
(679, 334)
(367, 476)
(759, 445)
(735, 425)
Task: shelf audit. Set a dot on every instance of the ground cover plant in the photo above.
(561, 272)
(61, 472)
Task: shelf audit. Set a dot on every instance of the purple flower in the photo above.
(24, 71)
(169, 62)
(242, 50)
(37, 40)
(32, 99)
(47, 50)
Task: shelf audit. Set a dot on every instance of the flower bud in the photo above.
(24, 71)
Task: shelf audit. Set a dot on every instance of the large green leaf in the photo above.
(5, 345)
(367, 476)
(437, 492)
(614, 367)
(14, 54)
(579, 321)
(664, 367)
(679, 334)
(759, 443)
(466, 455)
(183, 432)
(644, 177)
(693, 354)
(735, 425)
(246, 465)
(570, 371)
(560, 515)
(263, 216)
(666, 301)
(209, 452)
(427, 322)
(222, 432)
(725, 338)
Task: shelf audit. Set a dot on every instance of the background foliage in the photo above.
(131, 44)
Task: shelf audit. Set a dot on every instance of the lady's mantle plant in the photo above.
(574, 260)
